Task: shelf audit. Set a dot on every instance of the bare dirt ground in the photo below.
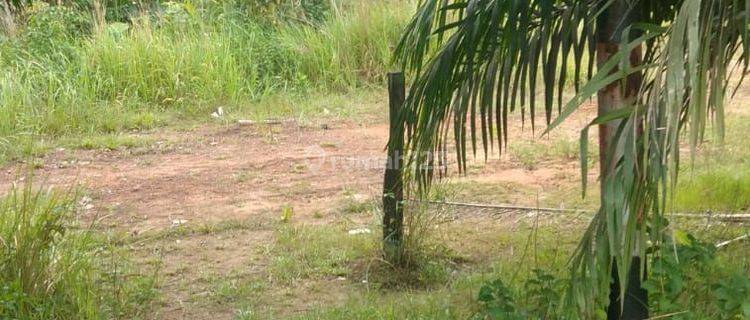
(245, 177)
(219, 173)
(216, 173)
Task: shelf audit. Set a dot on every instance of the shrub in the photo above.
(541, 293)
(686, 272)
(283, 11)
(686, 280)
(52, 30)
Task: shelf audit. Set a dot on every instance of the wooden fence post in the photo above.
(393, 193)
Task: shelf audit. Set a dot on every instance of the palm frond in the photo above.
(686, 78)
(476, 61)
(488, 57)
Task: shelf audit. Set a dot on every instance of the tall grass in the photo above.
(53, 268)
(56, 79)
(45, 267)
(350, 50)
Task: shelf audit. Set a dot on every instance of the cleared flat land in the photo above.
(253, 221)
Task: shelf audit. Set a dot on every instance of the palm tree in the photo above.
(660, 70)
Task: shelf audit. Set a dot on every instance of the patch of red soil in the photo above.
(217, 173)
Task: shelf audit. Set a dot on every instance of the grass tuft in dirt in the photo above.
(45, 268)
(314, 252)
(53, 268)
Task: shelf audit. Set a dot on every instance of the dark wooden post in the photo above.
(393, 193)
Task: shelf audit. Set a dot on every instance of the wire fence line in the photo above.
(501, 210)
(726, 217)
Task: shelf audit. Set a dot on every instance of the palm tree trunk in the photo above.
(610, 25)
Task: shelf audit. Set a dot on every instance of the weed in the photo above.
(108, 142)
(355, 203)
(287, 213)
(45, 272)
(299, 168)
(687, 270)
(232, 289)
(531, 153)
(242, 176)
(331, 145)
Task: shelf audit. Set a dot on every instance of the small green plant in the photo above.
(685, 271)
(354, 203)
(540, 299)
(287, 213)
(565, 149)
(543, 293)
(310, 252)
(497, 302)
(531, 153)
(242, 176)
(528, 154)
(733, 296)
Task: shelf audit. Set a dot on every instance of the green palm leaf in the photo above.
(490, 55)
(476, 61)
(685, 81)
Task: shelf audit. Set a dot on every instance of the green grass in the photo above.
(106, 141)
(51, 267)
(440, 304)
(57, 81)
(303, 252)
(355, 203)
(45, 272)
(719, 178)
(725, 189)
